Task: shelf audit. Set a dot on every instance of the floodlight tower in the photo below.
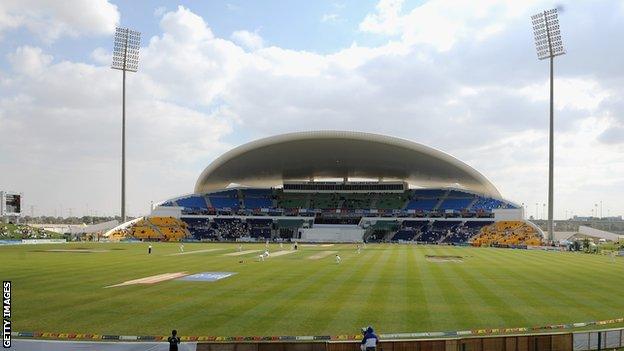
(125, 58)
(549, 44)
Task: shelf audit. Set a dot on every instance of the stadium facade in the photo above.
(337, 186)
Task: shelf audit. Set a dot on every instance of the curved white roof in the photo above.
(337, 154)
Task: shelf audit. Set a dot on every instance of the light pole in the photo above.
(548, 44)
(125, 58)
(600, 209)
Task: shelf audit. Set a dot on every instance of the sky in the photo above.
(460, 76)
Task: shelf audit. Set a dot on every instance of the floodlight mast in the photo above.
(549, 44)
(125, 58)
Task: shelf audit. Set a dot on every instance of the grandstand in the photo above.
(508, 234)
(152, 228)
(321, 185)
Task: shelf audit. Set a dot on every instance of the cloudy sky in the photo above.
(461, 76)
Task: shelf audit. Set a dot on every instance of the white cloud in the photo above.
(387, 19)
(441, 24)
(102, 56)
(29, 60)
(50, 19)
(575, 93)
(330, 17)
(185, 26)
(159, 11)
(480, 98)
(249, 40)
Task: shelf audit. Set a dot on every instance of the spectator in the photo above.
(173, 341)
(370, 340)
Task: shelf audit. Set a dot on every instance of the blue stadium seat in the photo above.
(455, 204)
(200, 228)
(422, 204)
(224, 202)
(251, 203)
(195, 202)
(404, 235)
(488, 204)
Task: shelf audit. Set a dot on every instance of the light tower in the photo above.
(125, 58)
(549, 44)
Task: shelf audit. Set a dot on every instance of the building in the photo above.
(339, 186)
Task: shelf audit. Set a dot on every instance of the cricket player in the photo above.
(181, 247)
(338, 259)
(149, 249)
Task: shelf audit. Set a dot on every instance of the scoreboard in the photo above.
(10, 203)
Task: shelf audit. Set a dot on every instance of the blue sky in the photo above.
(461, 76)
(296, 25)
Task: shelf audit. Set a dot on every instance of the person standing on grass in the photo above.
(370, 340)
(182, 247)
(338, 259)
(149, 249)
(173, 340)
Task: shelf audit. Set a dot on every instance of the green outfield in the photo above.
(396, 288)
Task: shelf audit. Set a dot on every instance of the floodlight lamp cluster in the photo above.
(126, 49)
(547, 34)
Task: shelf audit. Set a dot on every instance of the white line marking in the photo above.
(240, 253)
(281, 253)
(193, 252)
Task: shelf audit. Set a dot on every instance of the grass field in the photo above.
(396, 288)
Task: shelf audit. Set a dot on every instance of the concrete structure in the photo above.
(596, 233)
(304, 156)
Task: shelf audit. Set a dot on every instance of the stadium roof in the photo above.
(338, 154)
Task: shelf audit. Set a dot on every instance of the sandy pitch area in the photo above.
(151, 280)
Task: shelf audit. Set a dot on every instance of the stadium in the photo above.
(337, 186)
(314, 240)
(294, 242)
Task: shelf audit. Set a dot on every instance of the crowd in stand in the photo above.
(507, 234)
(412, 203)
(231, 230)
(22, 232)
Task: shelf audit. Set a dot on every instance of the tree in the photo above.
(586, 244)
